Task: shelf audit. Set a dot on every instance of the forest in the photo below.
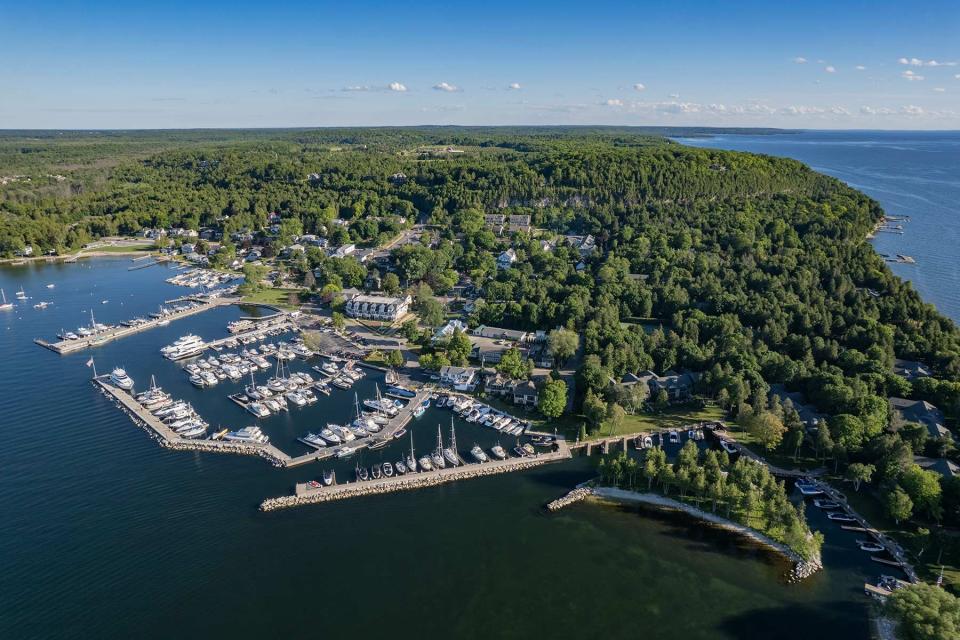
(752, 270)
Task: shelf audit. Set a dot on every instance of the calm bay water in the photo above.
(107, 535)
(910, 173)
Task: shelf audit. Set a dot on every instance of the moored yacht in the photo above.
(499, 452)
(478, 453)
(247, 434)
(120, 379)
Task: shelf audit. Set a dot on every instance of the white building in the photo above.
(377, 307)
(448, 329)
(460, 378)
(506, 259)
(344, 251)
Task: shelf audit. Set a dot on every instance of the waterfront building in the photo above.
(377, 307)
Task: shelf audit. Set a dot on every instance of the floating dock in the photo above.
(64, 347)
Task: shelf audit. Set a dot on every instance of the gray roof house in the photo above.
(910, 369)
(924, 413)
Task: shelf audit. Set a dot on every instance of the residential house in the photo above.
(448, 329)
(922, 412)
(460, 378)
(487, 354)
(911, 369)
(506, 259)
(344, 251)
(678, 386)
(586, 245)
(377, 307)
(525, 393)
(187, 248)
(944, 467)
(498, 384)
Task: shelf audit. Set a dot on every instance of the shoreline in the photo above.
(802, 568)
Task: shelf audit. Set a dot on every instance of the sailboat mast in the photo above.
(439, 440)
(453, 435)
(411, 446)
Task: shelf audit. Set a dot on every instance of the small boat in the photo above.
(388, 469)
(542, 441)
(674, 437)
(378, 444)
(871, 547)
(329, 477)
(726, 446)
(401, 467)
(478, 453)
(21, 295)
(528, 449)
(344, 452)
(258, 410)
(51, 286)
(399, 434)
(425, 463)
(375, 472)
(808, 489)
(362, 473)
(519, 452)
(41, 305)
(498, 452)
(450, 453)
(826, 504)
(841, 517)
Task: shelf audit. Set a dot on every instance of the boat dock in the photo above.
(279, 321)
(396, 423)
(64, 347)
(305, 494)
(172, 440)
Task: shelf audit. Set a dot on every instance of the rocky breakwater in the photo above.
(576, 495)
(402, 483)
(239, 448)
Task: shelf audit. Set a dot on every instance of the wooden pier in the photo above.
(171, 439)
(396, 423)
(64, 347)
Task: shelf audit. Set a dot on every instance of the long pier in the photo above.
(305, 494)
(172, 440)
(64, 347)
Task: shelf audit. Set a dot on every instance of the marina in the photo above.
(108, 334)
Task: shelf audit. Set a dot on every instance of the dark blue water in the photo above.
(107, 535)
(911, 173)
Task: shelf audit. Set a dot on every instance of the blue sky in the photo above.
(242, 64)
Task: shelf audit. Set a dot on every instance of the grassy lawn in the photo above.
(123, 248)
(286, 298)
(672, 418)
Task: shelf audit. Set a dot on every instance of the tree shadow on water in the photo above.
(800, 622)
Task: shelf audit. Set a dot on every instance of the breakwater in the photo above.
(305, 495)
(578, 494)
(802, 568)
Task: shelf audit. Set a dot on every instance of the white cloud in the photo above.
(860, 67)
(514, 86)
(957, 76)
(800, 60)
(830, 68)
(446, 86)
(910, 75)
(939, 89)
(639, 86)
(397, 86)
(356, 87)
(912, 110)
(675, 96)
(876, 111)
(917, 62)
(614, 102)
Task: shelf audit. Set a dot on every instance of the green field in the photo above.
(114, 248)
(286, 298)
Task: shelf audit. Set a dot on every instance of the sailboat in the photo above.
(437, 455)
(6, 305)
(21, 295)
(411, 459)
(450, 453)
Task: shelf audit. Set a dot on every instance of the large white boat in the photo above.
(247, 434)
(120, 379)
(258, 410)
(185, 347)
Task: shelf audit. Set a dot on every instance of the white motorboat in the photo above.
(120, 379)
(478, 454)
(247, 434)
(258, 410)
